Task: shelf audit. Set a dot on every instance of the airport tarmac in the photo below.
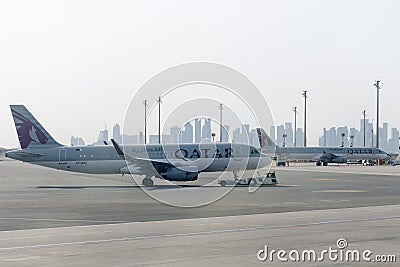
(105, 219)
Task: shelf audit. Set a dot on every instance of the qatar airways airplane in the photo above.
(322, 155)
(173, 162)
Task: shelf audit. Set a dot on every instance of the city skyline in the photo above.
(198, 131)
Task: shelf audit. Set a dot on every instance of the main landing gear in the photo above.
(319, 163)
(147, 182)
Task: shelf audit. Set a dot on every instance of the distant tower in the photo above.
(159, 119)
(221, 108)
(295, 125)
(206, 130)
(174, 130)
(117, 133)
(197, 130)
(272, 133)
(376, 84)
(187, 134)
(103, 137)
(225, 134)
(305, 117)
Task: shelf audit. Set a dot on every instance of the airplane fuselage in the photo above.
(313, 153)
(105, 160)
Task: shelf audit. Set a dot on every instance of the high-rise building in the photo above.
(117, 133)
(225, 133)
(153, 139)
(280, 131)
(289, 134)
(206, 130)
(103, 137)
(236, 135)
(187, 134)
(383, 136)
(174, 130)
(272, 133)
(141, 138)
(197, 130)
(342, 131)
(77, 141)
(299, 137)
(394, 141)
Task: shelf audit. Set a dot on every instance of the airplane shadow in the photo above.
(119, 187)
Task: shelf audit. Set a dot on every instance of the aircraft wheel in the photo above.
(318, 163)
(149, 182)
(325, 163)
(252, 182)
(223, 183)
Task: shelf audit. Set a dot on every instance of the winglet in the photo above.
(117, 148)
(264, 139)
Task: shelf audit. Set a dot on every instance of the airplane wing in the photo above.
(148, 164)
(326, 156)
(332, 158)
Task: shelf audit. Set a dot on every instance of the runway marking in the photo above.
(23, 259)
(59, 220)
(205, 224)
(125, 239)
(45, 236)
(335, 200)
(287, 185)
(340, 191)
(295, 203)
(298, 217)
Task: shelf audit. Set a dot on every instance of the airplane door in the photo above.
(62, 156)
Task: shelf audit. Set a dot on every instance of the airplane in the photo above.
(322, 155)
(173, 162)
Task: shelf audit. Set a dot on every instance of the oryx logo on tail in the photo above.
(30, 132)
(27, 131)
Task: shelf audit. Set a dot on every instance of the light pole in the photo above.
(284, 140)
(305, 117)
(159, 119)
(342, 135)
(352, 140)
(376, 84)
(145, 120)
(295, 124)
(221, 108)
(364, 114)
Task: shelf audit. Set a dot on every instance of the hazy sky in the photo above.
(77, 64)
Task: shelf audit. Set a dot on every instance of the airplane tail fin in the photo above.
(264, 139)
(31, 133)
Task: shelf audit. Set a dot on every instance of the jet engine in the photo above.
(339, 160)
(187, 173)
